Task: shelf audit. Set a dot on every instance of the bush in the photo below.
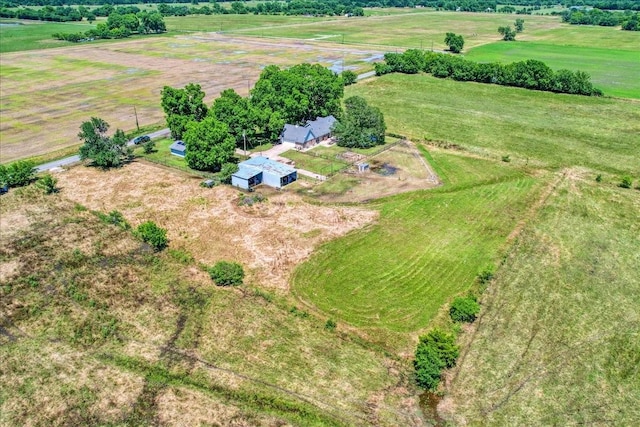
(599, 178)
(626, 182)
(485, 276)
(48, 184)
(155, 236)
(464, 309)
(227, 273)
(226, 171)
(149, 147)
(506, 159)
(436, 351)
(17, 174)
(349, 77)
(331, 325)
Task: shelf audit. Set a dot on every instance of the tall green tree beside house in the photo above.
(209, 144)
(182, 106)
(361, 126)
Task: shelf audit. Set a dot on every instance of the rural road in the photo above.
(75, 159)
(153, 135)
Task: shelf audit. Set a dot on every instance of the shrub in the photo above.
(114, 218)
(436, 351)
(48, 184)
(464, 309)
(349, 77)
(227, 273)
(155, 236)
(331, 325)
(599, 178)
(226, 171)
(506, 159)
(626, 182)
(149, 147)
(17, 174)
(485, 276)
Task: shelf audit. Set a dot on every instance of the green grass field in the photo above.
(426, 247)
(539, 128)
(615, 71)
(558, 341)
(29, 35)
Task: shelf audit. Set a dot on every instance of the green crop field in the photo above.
(426, 247)
(546, 129)
(615, 71)
(558, 342)
(234, 22)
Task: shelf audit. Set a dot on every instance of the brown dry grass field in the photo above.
(269, 237)
(47, 94)
(95, 328)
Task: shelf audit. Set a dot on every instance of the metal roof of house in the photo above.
(299, 134)
(264, 164)
(246, 172)
(178, 146)
(322, 125)
(317, 128)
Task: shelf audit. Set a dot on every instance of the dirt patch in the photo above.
(397, 170)
(269, 237)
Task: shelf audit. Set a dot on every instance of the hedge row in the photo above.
(529, 74)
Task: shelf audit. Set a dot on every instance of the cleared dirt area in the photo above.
(396, 170)
(46, 95)
(269, 238)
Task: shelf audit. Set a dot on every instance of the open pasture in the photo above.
(17, 35)
(46, 95)
(558, 340)
(615, 71)
(413, 30)
(532, 127)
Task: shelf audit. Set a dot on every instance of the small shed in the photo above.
(178, 148)
(259, 170)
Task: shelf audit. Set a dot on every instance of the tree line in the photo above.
(627, 20)
(119, 26)
(529, 74)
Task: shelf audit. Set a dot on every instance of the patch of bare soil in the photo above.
(399, 169)
(268, 238)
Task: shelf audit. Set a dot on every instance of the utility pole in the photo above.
(136, 114)
(244, 136)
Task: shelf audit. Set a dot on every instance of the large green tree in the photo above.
(236, 112)
(302, 92)
(361, 126)
(182, 106)
(455, 42)
(209, 144)
(508, 34)
(104, 151)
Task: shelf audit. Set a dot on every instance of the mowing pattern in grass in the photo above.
(426, 247)
(616, 72)
(551, 130)
(558, 342)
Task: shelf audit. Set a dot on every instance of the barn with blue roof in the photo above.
(261, 170)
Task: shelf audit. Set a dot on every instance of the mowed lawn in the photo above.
(538, 128)
(558, 341)
(426, 247)
(615, 71)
